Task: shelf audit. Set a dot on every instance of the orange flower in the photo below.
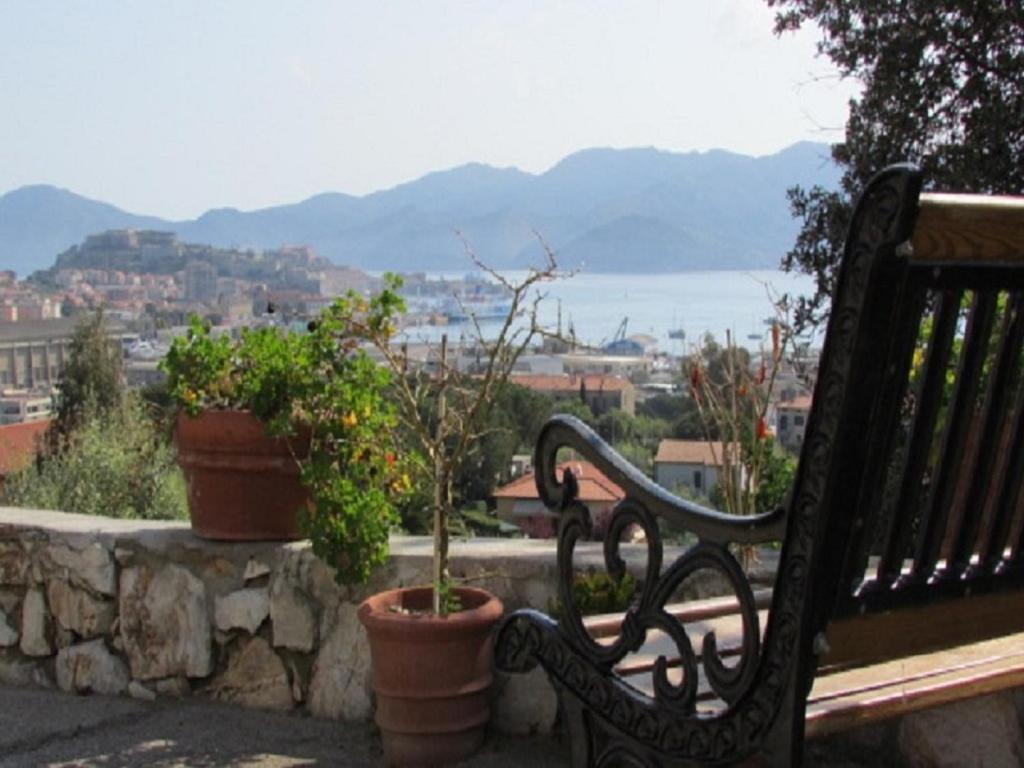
(762, 429)
(389, 457)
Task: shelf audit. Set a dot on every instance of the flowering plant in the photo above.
(316, 386)
(732, 392)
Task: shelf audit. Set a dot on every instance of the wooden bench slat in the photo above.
(973, 228)
(855, 697)
(608, 624)
(728, 632)
(868, 638)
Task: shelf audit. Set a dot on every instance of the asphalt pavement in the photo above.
(51, 728)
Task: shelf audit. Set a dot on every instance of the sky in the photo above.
(173, 108)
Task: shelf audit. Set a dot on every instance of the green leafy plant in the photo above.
(114, 464)
(595, 592)
(318, 386)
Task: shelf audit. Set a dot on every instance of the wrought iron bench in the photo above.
(900, 574)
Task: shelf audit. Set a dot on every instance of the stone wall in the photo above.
(148, 610)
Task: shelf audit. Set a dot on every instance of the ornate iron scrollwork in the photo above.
(630, 727)
(627, 726)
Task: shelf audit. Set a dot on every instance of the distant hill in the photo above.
(613, 210)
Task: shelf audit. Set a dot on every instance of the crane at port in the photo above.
(620, 334)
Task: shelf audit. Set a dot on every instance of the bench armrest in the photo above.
(707, 524)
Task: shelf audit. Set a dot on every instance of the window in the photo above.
(783, 421)
(798, 421)
(698, 479)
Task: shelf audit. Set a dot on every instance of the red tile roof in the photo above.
(19, 444)
(594, 486)
(540, 382)
(690, 452)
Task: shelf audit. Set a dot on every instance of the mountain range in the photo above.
(607, 210)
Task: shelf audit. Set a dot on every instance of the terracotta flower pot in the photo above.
(242, 484)
(431, 674)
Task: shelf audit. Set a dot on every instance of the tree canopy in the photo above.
(943, 86)
(90, 381)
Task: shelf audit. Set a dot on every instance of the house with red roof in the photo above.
(599, 391)
(697, 464)
(518, 502)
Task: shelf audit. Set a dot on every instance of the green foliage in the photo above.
(114, 464)
(511, 426)
(778, 470)
(578, 409)
(355, 471)
(595, 592)
(321, 384)
(943, 85)
(261, 372)
(90, 382)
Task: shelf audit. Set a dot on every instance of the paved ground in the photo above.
(49, 728)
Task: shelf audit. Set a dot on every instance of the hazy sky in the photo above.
(171, 108)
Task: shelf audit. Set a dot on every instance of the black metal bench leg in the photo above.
(578, 729)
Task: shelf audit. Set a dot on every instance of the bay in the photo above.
(697, 303)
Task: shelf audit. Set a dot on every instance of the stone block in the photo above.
(255, 677)
(139, 691)
(164, 625)
(10, 600)
(35, 624)
(91, 667)
(244, 609)
(524, 704)
(341, 684)
(14, 564)
(292, 617)
(254, 569)
(8, 632)
(78, 611)
(983, 731)
(91, 567)
(176, 687)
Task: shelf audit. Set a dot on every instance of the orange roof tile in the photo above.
(594, 486)
(690, 452)
(19, 444)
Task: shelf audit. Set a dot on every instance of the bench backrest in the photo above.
(908, 492)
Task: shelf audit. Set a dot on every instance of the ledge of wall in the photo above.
(146, 609)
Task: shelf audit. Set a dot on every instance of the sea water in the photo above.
(596, 306)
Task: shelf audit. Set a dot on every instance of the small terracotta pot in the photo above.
(242, 484)
(431, 674)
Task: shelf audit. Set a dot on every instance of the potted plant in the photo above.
(274, 424)
(431, 645)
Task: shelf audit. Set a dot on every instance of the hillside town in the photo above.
(148, 284)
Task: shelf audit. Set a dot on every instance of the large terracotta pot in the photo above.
(242, 484)
(431, 674)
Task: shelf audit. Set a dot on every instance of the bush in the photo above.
(116, 463)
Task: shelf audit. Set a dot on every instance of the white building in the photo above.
(694, 463)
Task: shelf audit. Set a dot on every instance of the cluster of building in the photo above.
(695, 467)
(150, 282)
